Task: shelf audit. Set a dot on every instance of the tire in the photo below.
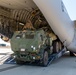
(45, 59)
(55, 47)
(19, 62)
(60, 46)
(71, 54)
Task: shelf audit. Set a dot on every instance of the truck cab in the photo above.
(32, 45)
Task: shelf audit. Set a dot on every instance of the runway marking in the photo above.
(9, 68)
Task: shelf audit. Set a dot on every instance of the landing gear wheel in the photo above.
(45, 59)
(55, 47)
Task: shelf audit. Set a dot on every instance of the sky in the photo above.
(71, 8)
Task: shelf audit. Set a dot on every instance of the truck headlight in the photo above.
(31, 46)
(34, 48)
(33, 57)
(39, 46)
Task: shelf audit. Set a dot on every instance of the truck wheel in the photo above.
(55, 47)
(19, 62)
(71, 54)
(60, 46)
(45, 59)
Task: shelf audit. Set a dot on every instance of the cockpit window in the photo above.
(63, 7)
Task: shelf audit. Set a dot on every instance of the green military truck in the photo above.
(34, 45)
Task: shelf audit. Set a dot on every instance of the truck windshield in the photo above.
(29, 36)
(18, 36)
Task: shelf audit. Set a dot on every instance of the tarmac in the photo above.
(65, 65)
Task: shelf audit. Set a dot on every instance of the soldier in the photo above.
(28, 25)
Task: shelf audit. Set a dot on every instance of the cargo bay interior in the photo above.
(14, 15)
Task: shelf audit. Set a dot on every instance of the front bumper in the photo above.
(27, 56)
